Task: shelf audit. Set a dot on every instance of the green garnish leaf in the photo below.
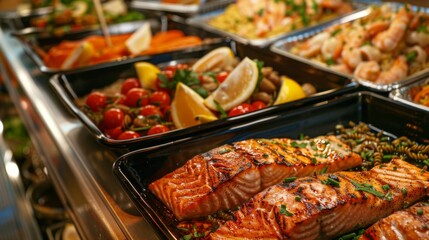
(385, 187)
(324, 170)
(223, 113)
(330, 62)
(335, 32)
(284, 211)
(411, 56)
(365, 187)
(332, 180)
(289, 179)
(419, 211)
(298, 199)
(260, 65)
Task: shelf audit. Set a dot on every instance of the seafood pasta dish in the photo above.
(264, 18)
(382, 47)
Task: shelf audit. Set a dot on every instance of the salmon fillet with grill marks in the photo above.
(225, 177)
(327, 206)
(411, 223)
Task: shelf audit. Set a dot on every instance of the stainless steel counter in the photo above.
(80, 168)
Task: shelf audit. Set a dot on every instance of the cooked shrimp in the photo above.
(374, 28)
(331, 48)
(370, 53)
(351, 53)
(420, 54)
(420, 38)
(313, 45)
(368, 70)
(397, 71)
(389, 39)
(343, 68)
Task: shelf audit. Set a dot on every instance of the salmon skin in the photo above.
(328, 205)
(411, 223)
(224, 177)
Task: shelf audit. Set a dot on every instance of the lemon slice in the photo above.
(218, 58)
(147, 74)
(80, 56)
(140, 40)
(237, 87)
(205, 118)
(289, 91)
(186, 106)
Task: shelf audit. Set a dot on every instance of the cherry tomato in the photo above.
(157, 129)
(150, 110)
(137, 97)
(222, 76)
(114, 132)
(96, 101)
(169, 73)
(113, 118)
(128, 84)
(240, 109)
(160, 98)
(258, 105)
(128, 135)
(182, 66)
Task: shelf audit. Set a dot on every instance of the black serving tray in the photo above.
(69, 87)
(36, 41)
(135, 170)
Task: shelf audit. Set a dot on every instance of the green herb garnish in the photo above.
(367, 188)
(332, 180)
(223, 113)
(284, 211)
(419, 211)
(289, 179)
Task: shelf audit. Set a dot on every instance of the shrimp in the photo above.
(370, 53)
(397, 71)
(331, 48)
(420, 54)
(343, 68)
(421, 38)
(352, 53)
(313, 46)
(389, 39)
(368, 70)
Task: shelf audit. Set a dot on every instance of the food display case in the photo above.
(103, 187)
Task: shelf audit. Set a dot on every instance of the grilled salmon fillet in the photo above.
(411, 223)
(328, 205)
(225, 177)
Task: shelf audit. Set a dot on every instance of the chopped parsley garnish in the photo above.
(335, 32)
(330, 61)
(265, 155)
(419, 211)
(301, 136)
(385, 187)
(260, 65)
(289, 179)
(261, 12)
(314, 160)
(348, 236)
(300, 145)
(404, 191)
(422, 29)
(223, 151)
(411, 56)
(187, 237)
(284, 211)
(298, 199)
(324, 170)
(223, 113)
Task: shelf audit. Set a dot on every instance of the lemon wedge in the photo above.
(237, 87)
(289, 91)
(80, 56)
(139, 40)
(186, 106)
(217, 58)
(147, 74)
(205, 118)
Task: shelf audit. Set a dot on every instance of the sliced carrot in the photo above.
(422, 94)
(187, 41)
(162, 37)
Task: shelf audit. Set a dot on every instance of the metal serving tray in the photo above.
(403, 94)
(203, 22)
(137, 169)
(70, 87)
(35, 41)
(284, 46)
(19, 20)
(186, 9)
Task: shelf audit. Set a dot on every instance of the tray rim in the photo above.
(201, 21)
(277, 48)
(398, 94)
(127, 182)
(177, 134)
(179, 8)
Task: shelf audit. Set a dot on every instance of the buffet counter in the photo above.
(79, 167)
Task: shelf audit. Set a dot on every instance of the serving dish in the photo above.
(203, 21)
(21, 19)
(406, 94)
(286, 47)
(70, 87)
(177, 8)
(137, 169)
(36, 43)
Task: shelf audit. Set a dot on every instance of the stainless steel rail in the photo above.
(80, 168)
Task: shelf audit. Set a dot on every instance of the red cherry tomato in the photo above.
(96, 101)
(157, 129)
(128, 84)
(114, 132)
(258, 105)
(150, 110)
(222, 76)
(182, 66)
(113, 118)
(240, 109)
(160, 98)
(128, 135)
(137, 97)
(170, 69)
